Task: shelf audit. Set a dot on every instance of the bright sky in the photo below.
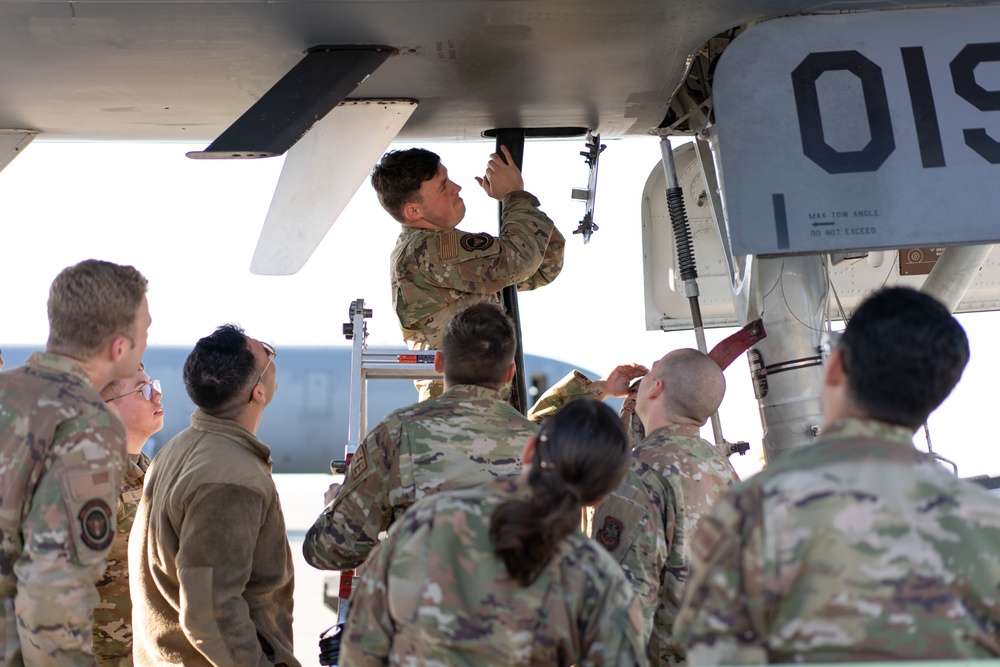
(191, 227)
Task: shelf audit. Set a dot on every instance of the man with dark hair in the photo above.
(464, 437)
(62, 454)
(437, 270)
(676, 476)
(209, 563)
(858, 547)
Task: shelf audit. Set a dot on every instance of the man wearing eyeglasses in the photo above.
(858, 547)
(62, 453)
(210, 568)
(136, 402)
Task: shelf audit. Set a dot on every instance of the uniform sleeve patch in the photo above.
(95, 525)
(359, 463)
(89, 484)
(610, 534)
(448, 245)
(474, 242)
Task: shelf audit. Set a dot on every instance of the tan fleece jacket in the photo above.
(209, 562)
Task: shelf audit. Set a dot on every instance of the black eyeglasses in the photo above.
(271, 354)
(146, 389)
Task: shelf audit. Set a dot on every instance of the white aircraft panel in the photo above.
(666, 305)
(852, 280)
(320, 175)
(862, 131)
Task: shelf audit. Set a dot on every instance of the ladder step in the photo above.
(389, 371)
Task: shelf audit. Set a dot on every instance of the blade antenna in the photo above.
(590, 156)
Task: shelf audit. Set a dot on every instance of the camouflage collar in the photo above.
(48, 365)
(135, 470)
(233, 431)
(851, 427)
(471, 391)
(416, 231)
(671, 431)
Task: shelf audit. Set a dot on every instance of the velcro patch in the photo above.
(635, 615)
(610, 534)
(359, 463)
(474, 242)
(87, 484)
(95, 525)
(448, 245)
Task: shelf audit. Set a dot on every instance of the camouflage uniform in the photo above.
(648, 521)
(434, 593)
(113, 615)
(61, 458)
(856, 548)
(436, 274)
(464, 437)
(577, 385)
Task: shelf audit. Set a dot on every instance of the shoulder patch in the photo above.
(89, 483)
(359, 463)
(610, 534)
(95, 525)
(474, 242)
(448, 245)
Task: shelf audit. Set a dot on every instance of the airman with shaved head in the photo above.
(675, 477)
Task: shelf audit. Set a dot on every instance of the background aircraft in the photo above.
(306, 423)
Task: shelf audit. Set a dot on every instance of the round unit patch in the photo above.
(473, 242)
(610, 533)
(95, 524)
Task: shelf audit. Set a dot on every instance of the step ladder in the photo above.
(383, 364)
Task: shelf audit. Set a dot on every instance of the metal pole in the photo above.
(513, 139)
(685, 257)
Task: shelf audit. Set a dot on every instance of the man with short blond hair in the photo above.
(62, 454)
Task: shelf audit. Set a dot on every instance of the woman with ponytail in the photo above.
(501, 574)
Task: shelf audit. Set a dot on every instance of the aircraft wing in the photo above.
(147, 70)
(161, 70)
